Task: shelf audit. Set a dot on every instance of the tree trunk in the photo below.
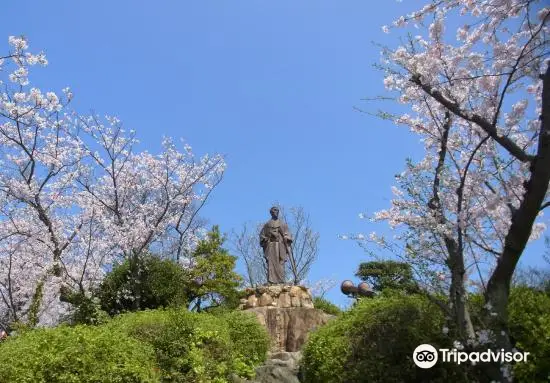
(458, 292)
(498, 288)
(135, 280)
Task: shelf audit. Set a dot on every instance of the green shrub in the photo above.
(150, 282)
(74, 355)
(529, 323)
(198, 347)
(172, 345)
(326, 306)
(162, 283)
(374, 342)
(85, 309)
(388, 274)
(250, 341)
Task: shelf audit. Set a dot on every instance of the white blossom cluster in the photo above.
(477, 158)
(75, 195)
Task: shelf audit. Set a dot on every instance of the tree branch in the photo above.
(489, 128)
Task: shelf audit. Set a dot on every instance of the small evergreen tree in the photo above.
(381, 275)
(214, 280)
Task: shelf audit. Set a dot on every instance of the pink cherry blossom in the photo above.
(75, 195)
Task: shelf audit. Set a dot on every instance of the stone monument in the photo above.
(285, 310)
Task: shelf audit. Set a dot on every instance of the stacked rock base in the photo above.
(286, 312)
(282, 296)
(280, 367)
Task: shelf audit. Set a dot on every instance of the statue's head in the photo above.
(274, 211)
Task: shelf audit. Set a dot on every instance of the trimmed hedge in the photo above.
(79, 354)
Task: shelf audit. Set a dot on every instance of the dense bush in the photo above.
(529, 321)
(529, 324)
(172, 345)
(150, 282)
(382, 275)
(85, 309)
(162, 283)
(374, 341)
(76, 354)
(250, 341)
(198, 347)
(326, 306)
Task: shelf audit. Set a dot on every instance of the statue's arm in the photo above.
(263, 238)
(287, 235)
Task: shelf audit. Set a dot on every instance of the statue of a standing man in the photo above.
(276, 240)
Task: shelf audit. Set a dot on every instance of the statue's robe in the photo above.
(276, 253)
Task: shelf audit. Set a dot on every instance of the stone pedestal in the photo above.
(282, 296)
(287, 313)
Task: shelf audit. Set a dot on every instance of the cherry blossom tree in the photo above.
(76, 195)
(480, 101)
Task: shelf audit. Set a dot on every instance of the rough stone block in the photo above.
(284, 300)
(265, 300)
(307, 302)
(289, 327)
(251, 302)
(295, 291)
(274, 290)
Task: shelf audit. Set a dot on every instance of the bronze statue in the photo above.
(276, 240)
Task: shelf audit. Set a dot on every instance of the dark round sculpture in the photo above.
(363, 288)
(347, 287)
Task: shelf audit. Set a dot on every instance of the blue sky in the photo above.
(272, 85)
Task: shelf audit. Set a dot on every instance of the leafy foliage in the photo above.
(162, 283)
(529, 323)
(172, 345)
(374, 341)
(35, 304)
(326, 306)
(74, 355)
(86, 309)
(250, 341)
(198, 347)
(210, 280)
(214, 280)
(389, 274)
